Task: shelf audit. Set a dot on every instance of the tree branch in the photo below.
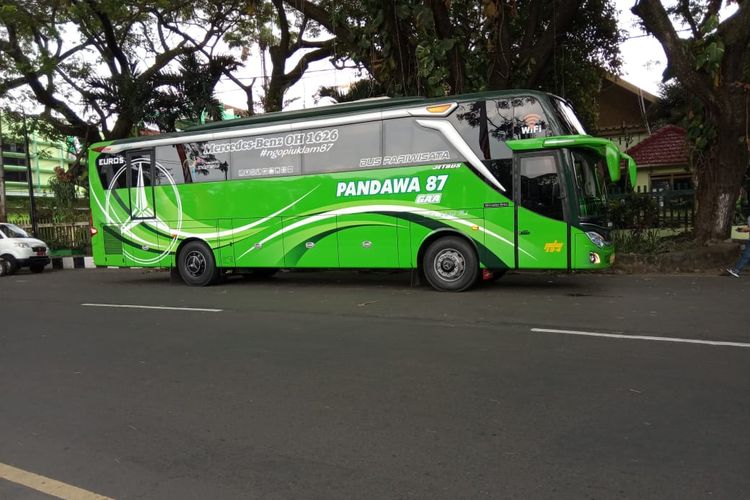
(656, 21)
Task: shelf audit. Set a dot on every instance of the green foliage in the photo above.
(643, 241)
(638, 211)
(63, 188)
(187, 94)
(113, 59)
(436, 48)
(650, 241)
(360, 89)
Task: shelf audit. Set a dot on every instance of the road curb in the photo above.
(75, 262)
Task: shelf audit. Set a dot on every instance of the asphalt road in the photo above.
(354, 385)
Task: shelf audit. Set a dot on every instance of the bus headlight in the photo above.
(594, 258)
(597, 239)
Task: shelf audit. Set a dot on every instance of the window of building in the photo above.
(16, 176)
(667, 182)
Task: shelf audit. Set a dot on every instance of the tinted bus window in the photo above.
(205, 162)
(470, 120)
(348, 147)
(169, 164)
(407, 143)
(108, 166)
(517, 118)
(503, 172)
(272, 155)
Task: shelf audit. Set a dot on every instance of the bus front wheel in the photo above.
(450, 264)
(197, 265)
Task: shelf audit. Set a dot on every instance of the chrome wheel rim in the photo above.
(449, 265)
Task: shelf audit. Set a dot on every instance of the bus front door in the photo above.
(542, 229)
(141, 240)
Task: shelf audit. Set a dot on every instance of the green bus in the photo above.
(456, 188)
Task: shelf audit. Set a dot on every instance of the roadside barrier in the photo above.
(76, 262)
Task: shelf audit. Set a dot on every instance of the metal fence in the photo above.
(59, 235)
(657, 209)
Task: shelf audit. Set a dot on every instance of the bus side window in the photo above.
(503, 172)
(342, 148)
(201, 165)
(262, 156)
(470, 120)
(168, 165)
(408, 143)
(109, 165)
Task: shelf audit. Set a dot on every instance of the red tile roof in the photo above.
(666, 146)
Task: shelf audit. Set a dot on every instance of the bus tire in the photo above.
(450, 264)
(197, 264)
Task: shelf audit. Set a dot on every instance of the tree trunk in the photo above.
(456, 72)
(499, 16)
(718, 175)
(274, 99)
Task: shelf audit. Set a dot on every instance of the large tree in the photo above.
(712, 65)
(438, 47)
(96, 67)
(287, 36)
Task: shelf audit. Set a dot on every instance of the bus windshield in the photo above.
(569, 118)
(590, 185)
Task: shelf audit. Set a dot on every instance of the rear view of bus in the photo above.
(451, 187)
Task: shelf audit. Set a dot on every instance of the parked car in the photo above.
(18, 249)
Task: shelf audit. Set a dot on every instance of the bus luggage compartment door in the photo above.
(257, 242)
(310, 241)
(368, 241)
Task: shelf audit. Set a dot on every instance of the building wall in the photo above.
(45, 156)
(650, 178)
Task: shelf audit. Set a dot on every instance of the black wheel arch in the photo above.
(436, 235)
(190, 240)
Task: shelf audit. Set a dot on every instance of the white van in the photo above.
(18, 249)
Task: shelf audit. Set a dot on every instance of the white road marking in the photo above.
(166, 308)
(642, 337)
(46, 485)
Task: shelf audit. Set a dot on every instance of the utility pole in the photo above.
(32, 202)
(3, 201)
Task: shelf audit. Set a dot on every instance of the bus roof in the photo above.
(356, 107)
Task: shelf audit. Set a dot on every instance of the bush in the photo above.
(650, 241)
(634, 211)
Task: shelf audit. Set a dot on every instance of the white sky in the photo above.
(643, 65)
(643, 59)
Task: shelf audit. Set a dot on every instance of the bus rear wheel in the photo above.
(450, 264)
(197, 265)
